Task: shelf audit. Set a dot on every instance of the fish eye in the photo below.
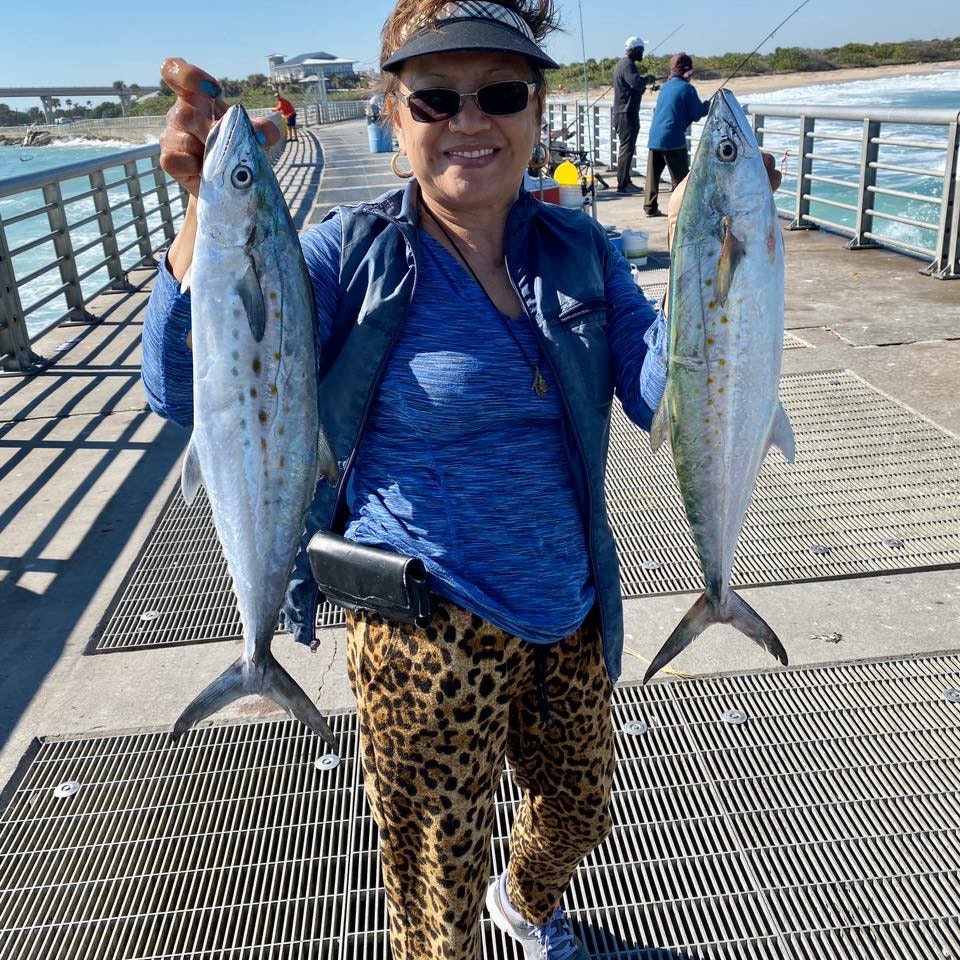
(727, 150)
(242, 177)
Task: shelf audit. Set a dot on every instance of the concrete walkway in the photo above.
(86, 469)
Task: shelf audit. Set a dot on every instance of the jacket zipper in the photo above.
(576, 436)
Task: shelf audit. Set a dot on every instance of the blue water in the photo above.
(939, 90)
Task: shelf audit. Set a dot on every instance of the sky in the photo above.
(62, 42)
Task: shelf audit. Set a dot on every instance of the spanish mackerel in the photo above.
(258, 444)
(720, 408)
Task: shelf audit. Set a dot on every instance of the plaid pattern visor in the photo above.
(470, 25)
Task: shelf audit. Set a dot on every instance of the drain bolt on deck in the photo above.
(66, 789)
(735, 716)
(635, 728)
(328, 761)
(951, 695)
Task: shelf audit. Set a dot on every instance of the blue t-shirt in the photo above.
(461, 464)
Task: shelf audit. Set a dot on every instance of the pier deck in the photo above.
(88, 471)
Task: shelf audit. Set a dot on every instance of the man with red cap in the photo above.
(678, 105)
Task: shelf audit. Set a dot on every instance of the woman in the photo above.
(471, 341)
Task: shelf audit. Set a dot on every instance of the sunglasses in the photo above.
(494, 99)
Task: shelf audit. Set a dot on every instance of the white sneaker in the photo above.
(553, 941)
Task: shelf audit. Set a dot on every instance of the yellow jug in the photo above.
(566, 174)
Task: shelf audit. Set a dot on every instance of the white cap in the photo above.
(631, 43)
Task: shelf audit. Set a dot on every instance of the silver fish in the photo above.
(258, 444)
(720, 408)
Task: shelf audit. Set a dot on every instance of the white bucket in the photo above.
(636, 244)
(571, 197)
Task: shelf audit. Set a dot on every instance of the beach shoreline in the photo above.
(744, 86)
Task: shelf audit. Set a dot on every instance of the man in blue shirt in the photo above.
(678, 105)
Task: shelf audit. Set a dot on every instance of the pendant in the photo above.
(539, 384)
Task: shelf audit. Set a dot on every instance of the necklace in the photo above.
(539, 385)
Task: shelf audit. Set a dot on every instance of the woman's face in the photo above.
(472, 161)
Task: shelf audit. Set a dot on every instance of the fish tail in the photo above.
(282, 689)
(694, 622)
(738, 613)
(268, 679)
(704, 612)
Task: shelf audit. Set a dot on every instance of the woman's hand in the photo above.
(198, 106)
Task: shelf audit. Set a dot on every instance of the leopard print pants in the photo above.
(438, 710)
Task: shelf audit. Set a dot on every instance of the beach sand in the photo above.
(744, 86)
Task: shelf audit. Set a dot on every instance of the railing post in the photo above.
(807, 125)
(63, 247)
(947, 264)
(758, 128)
(139, 213)
(101, 203)
(869, 152)
(163, 199)
(15, 350)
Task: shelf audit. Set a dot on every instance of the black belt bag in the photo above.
(366, 578)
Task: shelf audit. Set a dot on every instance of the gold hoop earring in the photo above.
(395, 167)
(539, 158)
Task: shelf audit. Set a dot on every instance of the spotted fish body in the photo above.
(256, 426)
(720, 408)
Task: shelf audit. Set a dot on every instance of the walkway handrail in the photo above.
(861, 195)
(591, 129)
(127, 211)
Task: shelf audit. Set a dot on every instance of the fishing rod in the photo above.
(750, 55)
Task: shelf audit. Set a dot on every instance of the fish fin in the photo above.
(191, 479)
(738, 613)
(694, 622)
(781, 435)
(229, 686)
(269, 680)
(251, 295)
(660, 430)
(187, 278)
(731, 253)
(282, 689)
(326, 459)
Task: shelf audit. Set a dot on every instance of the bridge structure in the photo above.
(48, 95)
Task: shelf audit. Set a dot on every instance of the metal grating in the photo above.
(825, 825)
(875, 489)
(178, 590)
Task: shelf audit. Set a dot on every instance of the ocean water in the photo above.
(939, 90)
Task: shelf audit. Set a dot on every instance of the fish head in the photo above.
(238, 190)
(727, 176)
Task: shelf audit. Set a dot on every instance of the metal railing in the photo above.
(73, 232)
(331, 111)
(98, 219)
(856, 170)
(857, 174)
